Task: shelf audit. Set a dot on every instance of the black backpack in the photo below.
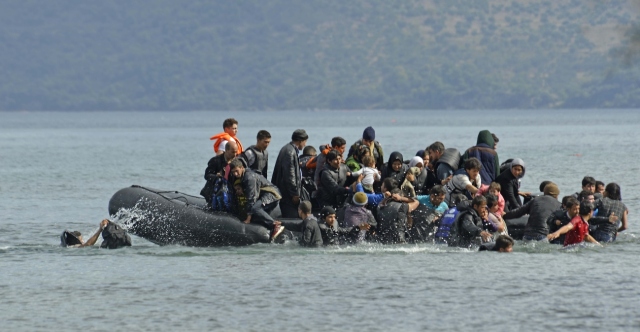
(115, 237)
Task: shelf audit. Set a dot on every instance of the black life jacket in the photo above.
(451, 157)
(423, 222)
(392, 222)
(340, 176)
(419, 183)
(258, 159)
(115, 237)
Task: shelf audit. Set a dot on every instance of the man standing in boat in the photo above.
(261, 197)
(287, 176)
(230, 127)
(369, 139)
(217, 173)
(256, 156)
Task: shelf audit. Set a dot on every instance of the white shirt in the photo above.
(370, 175)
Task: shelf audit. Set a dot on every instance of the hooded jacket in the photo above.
(487, 155)
(510, 185)
(388, 172)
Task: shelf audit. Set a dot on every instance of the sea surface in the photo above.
(58, 171)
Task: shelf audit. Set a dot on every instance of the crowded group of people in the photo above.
(350, 193)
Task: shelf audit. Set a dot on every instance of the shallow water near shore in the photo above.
(58, 171)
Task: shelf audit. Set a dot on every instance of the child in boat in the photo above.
(494, 189)
(371, 174)
(241, 199)
(407, 187)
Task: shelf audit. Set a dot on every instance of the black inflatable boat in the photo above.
(171, 217)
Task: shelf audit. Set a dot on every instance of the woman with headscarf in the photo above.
(510, 184)
(421, 177)
(395, 168)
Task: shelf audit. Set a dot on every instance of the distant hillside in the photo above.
(314, 54)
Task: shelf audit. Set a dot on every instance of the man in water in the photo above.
(578, 229)
(539, 209)
(74, 239)
(435, 200)
(470, 225)
(257, 156)
(561, 217)
(588, 184)
(504, 243)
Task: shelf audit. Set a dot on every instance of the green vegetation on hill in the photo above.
(285, 54)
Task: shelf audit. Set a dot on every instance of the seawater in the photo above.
(58, 171)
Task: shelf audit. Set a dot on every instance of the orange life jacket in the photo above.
(225, 137)
(313, 162)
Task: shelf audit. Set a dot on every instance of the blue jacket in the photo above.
(487, 155)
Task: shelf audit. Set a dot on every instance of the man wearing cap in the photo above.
(369, 139)
(538, 209)
(286, 174)
(357, 214)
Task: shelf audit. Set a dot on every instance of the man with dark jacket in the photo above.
(311, 235)
(257, 156)
(509, 181)
(392, 220)
(483, 150)
(369, 139)
(539, 209)
(331, 189)
(261, 197)
(287, 176)
(562, 217)
(216, 169)
(337, 143)
(333, 234)
(469, 225)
